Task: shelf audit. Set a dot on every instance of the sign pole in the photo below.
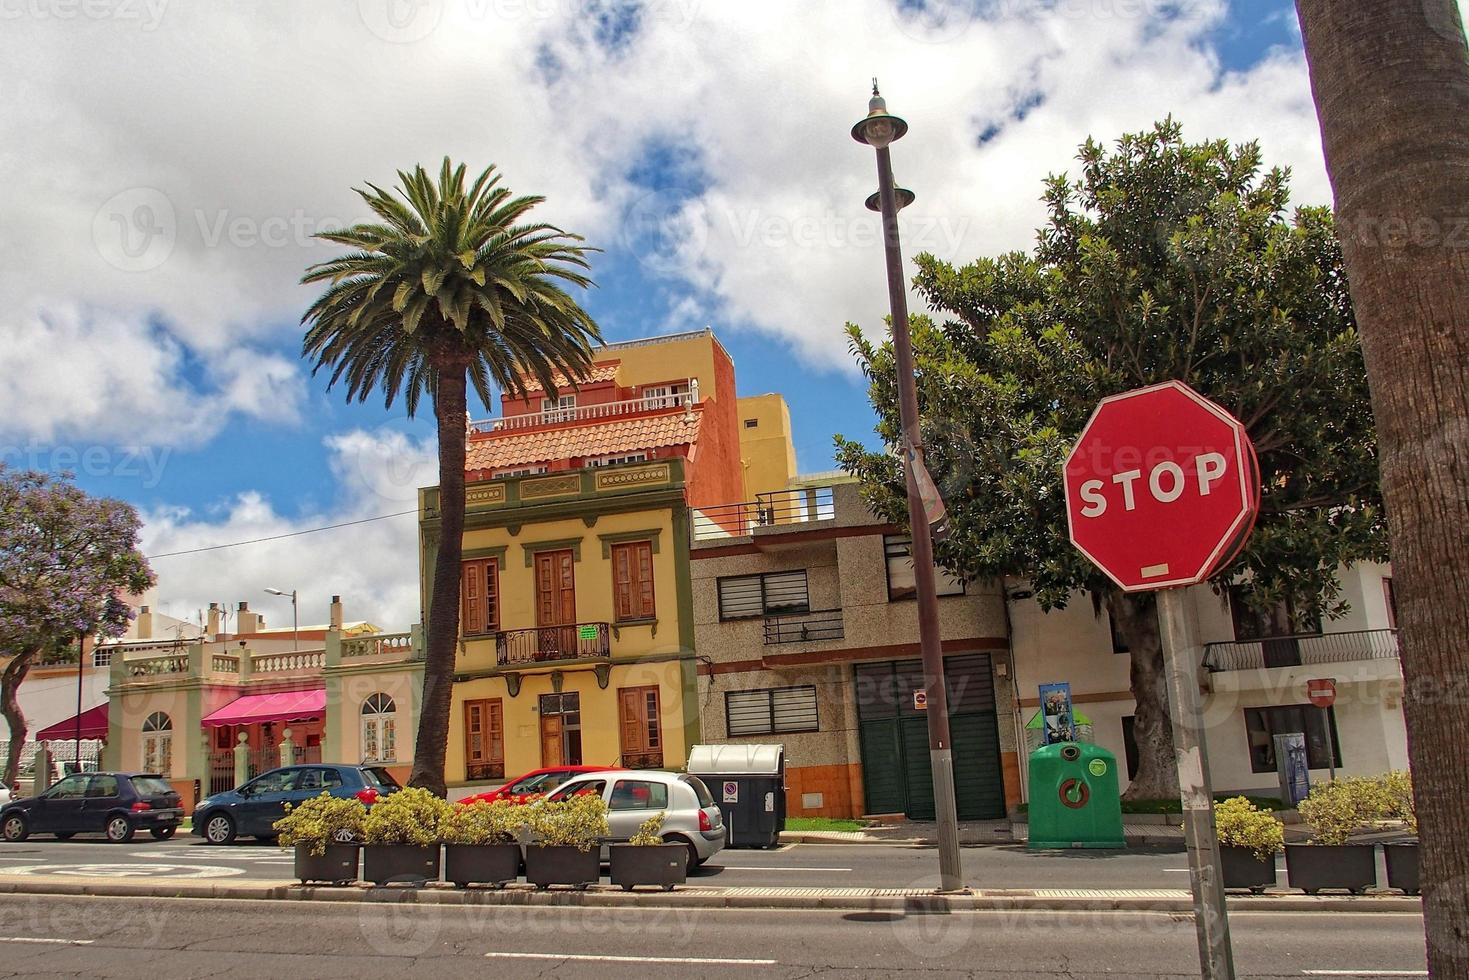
(1181, 666)
(1330, 741)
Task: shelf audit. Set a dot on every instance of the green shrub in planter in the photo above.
(1334, 811)
(480, 843)
(402, 834)
(1249, 839)
(1396, 789)
(321, 821)
(568, 835)
(646, 860)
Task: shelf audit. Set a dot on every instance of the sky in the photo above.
(164, 165)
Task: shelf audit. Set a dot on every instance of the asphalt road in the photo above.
(835, 865)
(166, 938)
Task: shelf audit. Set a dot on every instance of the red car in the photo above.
(534, 783)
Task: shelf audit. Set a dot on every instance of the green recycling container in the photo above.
(1074, 800)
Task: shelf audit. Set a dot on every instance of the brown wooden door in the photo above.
(555, 603)
(484, 739)
(640, 728)
(551, 752)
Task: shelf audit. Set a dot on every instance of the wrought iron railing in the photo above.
(802, 505)
(591, 413)
(578, 641)
(819, 624)
(642, 760)
(1302, 649)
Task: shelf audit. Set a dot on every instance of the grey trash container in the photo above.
(748, 783)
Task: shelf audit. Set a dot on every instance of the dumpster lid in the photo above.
(734, 760)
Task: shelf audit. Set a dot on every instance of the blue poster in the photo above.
(1057, 723)
(1293, 768)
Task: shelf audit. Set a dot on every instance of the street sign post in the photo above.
(1162, 489)
(1321, 691)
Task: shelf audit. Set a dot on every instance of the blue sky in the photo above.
(179, 159)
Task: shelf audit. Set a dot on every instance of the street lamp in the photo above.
(878, 129)
(295, 619)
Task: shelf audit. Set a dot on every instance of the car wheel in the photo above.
(16, 828)
(162, 833)
(65, 835)
(219, 828)
(120, 829)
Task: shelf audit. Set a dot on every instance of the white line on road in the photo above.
(739, 867)
(1365, 973)
(48, 942)
(588, 957)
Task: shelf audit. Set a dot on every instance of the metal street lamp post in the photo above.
(878, 130)
(295, 619)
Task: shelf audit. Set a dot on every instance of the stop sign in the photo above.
(1162, 487)
(1321, 691)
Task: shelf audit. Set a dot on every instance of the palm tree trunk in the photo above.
(10, 680)
(451, 412)
(1157, 769)
(1391, 84)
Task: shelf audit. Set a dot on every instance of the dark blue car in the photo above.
(252, 809)
(117, 804)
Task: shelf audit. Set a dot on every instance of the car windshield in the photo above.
(151, 785)
(706, 798)
(380, 777)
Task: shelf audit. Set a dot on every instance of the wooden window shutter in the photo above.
(472, 583)
(632, 574)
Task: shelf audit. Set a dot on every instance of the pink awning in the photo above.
(278, 706)
(94, 725)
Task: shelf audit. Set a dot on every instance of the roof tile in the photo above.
(498, 450)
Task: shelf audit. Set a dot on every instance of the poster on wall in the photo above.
(1057, 723)
(1293, 768)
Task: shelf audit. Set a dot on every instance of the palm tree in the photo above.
(1391, 84)
(450, 285)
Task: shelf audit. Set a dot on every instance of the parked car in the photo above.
(117, 804)
(691, 817)
(537, 782)
(251, 809)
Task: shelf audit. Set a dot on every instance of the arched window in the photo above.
(379, 724)
(158, 744)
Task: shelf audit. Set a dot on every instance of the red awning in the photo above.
(279, 706)
(94, 725)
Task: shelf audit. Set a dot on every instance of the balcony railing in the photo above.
(819, 624)
(154, 666)
(378, 644)
(1302, 649)
(578, 641)
(276, 663)
(591, 413)
(803, 505)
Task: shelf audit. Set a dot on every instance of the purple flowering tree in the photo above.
(67, 560)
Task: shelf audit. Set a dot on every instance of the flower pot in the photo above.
(337, 866)
(384, 864)
(1402, 866)
(561, 865)
(664, 865)
(481, 864)
(1242, 869)
(1312, 867)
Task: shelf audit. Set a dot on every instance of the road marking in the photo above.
(740, 867)
(128, 870)
(599, 958)
(49, 942)
(1365, 973)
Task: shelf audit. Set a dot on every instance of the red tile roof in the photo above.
(597, 372)
(626, 435)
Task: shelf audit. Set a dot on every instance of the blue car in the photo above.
(252, 809)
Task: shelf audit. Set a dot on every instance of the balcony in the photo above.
(781, 510)
(545, 644)
(581, 414)
(1302, 649)
(819, 624)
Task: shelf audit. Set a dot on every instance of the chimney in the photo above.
(212, 631)
(143, 626)
(247, 622)
(336, 614)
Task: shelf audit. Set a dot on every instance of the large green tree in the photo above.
(1391, 83)
(1162, 259)
(451, 287)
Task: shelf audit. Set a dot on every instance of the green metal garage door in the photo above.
(893, 736)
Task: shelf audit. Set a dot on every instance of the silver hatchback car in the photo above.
(691, 817)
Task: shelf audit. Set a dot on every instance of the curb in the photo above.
(606, 897)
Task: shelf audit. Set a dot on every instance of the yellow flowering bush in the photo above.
(482, 823)
(409, 816)
(579, 822)
(1396, 788)
(647, 835)
(321, 821)
(1242, 824)
(1336, 809)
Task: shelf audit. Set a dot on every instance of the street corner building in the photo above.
(577, 631)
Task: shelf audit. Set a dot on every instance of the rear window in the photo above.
(706, 798)
(380, 777)
(151, 786)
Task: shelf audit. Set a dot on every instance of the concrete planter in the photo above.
(664, 865)
(1402, 866)
(1312, 867)
(561, 865)
(1242, 869)
(481, 864)
(338, 866)
(384, 864)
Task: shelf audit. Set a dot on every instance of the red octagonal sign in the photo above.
(1162, 487)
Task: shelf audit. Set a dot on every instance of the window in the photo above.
(1392, 602)
(102, 656)
(484, 739)
(379, 729)
(560, 729)
(158, 744)
(901, 581)
(103, 786)
(559, 409)
(584, 787)
(1263, 724)
(1275, 629)
(615, 459)
(638, 794)
(520, 471)
(70, 788)
(771, 594)
(771, 711)
(1119, 645)
(640, 727)
(150, 786)
(316, 780)
(632, 581)
(665, 396)
(752, 423)
(480, 586)
(279, 781)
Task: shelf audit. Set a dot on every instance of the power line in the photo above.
(288, 534)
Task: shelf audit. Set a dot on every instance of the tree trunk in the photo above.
(10, 681)
(443, 612)
(1391, 84)
(1136, 619)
